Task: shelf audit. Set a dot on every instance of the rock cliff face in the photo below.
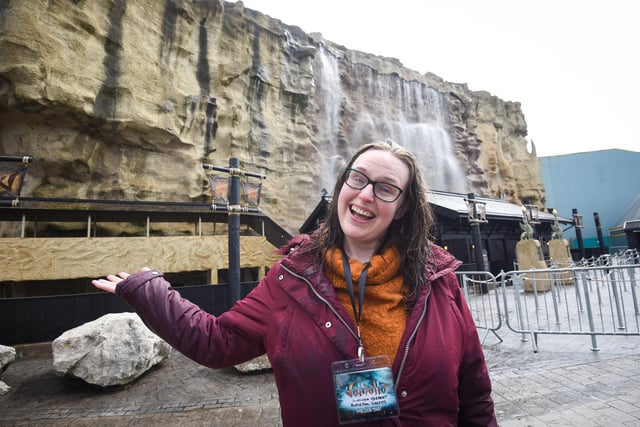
(126, 100)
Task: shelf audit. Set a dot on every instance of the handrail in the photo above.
(79, 210)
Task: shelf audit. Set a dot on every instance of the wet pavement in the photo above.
(564, 383)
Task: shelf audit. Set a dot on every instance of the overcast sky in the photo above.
(572, 65)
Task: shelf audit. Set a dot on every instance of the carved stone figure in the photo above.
(527, 229)
(557, 231)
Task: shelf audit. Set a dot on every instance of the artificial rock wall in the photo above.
(127, 99)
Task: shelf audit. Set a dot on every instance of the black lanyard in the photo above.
(357, 314)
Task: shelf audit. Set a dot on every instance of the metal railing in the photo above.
(594, 297)
(481, 291)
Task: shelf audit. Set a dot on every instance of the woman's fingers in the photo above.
(105, 285)
(109, 284)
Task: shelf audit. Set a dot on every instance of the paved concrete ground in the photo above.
(564, 384)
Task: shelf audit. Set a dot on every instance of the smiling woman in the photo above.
(366, 212)
(367, 303)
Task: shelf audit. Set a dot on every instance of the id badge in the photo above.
(364, 390)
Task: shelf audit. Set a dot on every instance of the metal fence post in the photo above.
(587, 301)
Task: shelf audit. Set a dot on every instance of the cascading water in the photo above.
(385, 106)
(329, 96)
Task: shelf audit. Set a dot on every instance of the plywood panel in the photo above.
(68, 258)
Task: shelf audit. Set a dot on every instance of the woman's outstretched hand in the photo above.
(109, 284)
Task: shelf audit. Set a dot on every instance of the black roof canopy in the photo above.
(452, 209)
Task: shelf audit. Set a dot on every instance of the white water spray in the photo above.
(387, 106)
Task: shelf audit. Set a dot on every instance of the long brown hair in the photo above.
(410, 234)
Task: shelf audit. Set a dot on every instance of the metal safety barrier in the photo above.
(481, 291)
(626, 257)
(598, 297)
(576, 301)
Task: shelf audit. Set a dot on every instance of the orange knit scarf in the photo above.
(384, 317)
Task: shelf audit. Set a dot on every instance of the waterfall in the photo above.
(428, 142)
(329, 100)
(414, 116)
(384, 106)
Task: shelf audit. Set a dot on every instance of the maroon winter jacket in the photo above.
(295, 317)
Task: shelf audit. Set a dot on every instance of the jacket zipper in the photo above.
(324, 300)
(405, 355)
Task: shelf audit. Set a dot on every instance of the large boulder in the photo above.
(7, 356)
(112, 350)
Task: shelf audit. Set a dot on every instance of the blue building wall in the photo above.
(606, 182)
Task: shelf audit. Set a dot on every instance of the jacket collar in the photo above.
(441, 263)
(302, 260)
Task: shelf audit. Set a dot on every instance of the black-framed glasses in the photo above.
(382, 190)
